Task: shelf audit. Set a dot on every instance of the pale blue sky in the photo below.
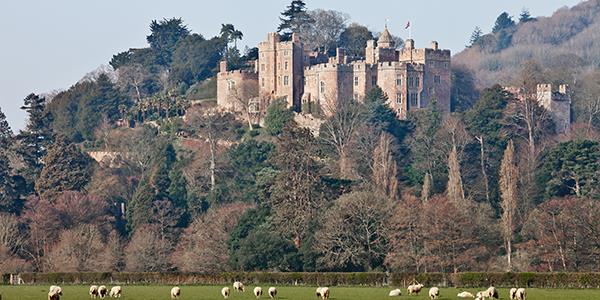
(48, 45)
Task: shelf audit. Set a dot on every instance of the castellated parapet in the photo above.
(312, 83)
(558, 103)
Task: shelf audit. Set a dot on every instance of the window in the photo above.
(436, 79)
(446, 65)
(374, 80)
(322, 87)
(414, 99)
(262, 67)
(230, 85)
(411, 81)
(262, 82)
(399, 80)
(356, 96)
(286, 80)
(262, 55)
(279, 66)
(286, 65)
(355, 80)
(254, 106)
(417, 81)
(399, 98)
(286, 53)
(432, 63)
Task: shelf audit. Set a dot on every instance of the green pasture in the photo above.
(152, 292)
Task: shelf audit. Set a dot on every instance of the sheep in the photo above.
(493, 292)
(434, 293)
(93, 291)
(257, 292)
(57, 289)
(465, 294)
(238, 286)
(395, 293)
(319, 292)
(225, 292)
(115, 292)
(102, 291)
(512, 294)
(175, 292)
(521, 294)
(272, 292)
(53, 295)
(414, 289)
(324, 293)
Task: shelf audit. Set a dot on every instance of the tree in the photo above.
(407, 236)
(455, 190)
(76, 250)
(354, 38)
(278, 116)
(385, 168)
(525, 16)
(145, 252)
(9, 197)
(195, 59)
(354, 236)
(6, 134)
(297, 193)
(132, 77)
(66, 168)
(571, 168)
(324, 31)
(464, 92)
(230, 34)
(475, 36)
(33, 142)
(504, 21)
(293, 19)
(164, 37)
(508, 188)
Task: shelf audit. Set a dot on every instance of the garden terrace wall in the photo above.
(470, 279)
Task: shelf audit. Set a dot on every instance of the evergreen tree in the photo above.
(8, 195)
(66, 168)
(475, 36)
(138, 209)
(504, 21)
(5, 132)
(455, 190)
(354, 38)
(164, 37)
(33, 142)
(380, 115)
(278, 115)
(525, 16)
(178, 188)
(508, 187)
(293, 19)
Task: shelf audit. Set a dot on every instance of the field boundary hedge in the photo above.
(467, 279)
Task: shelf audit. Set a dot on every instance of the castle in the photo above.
(313, 83)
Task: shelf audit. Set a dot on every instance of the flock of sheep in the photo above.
(434, 293)
(322, 292)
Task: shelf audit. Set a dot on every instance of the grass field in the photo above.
(75, 292)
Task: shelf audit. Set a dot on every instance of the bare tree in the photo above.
(426, 188)
(483, 166)
(340, 131)
(166, 217)
(145, 251)
(76, 250)
(246, 99)
(355, 231)
(11, 236)
(384, 167)
(407, 236)
(508, 189)
(132, 76)
(324, 32)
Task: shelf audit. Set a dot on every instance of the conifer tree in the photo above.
(475, 36)
(455, 189)
(508, 189)
(293, 19)
(5, 132)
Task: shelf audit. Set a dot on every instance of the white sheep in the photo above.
(53, 295)
(56, 289)
(521, 294)
(324, 293)
(493, 292)
(395, 293)
(272, 292)
(414, 289)
(319, 292)
(238, 286)
(257, 292)
(465, 294)
(115, 292)
(175, 292)
(102, 291)
(512, 294)
(93, 291)
(434, 293)
(225, 292)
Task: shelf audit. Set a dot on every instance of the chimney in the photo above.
(434, 45)
(223, 66)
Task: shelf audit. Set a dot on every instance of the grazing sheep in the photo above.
(102, 291)
(257, 292)
(225, 292)
(57, 289)
(115, 292)
(175, 292)
(434, 293)
(465, 294)
(521, 294)
(492, 292)
(512, 294)
(93, 291)
(53, 295)
(324, 293)
(319, 292)
(238, 286)
(395, 293)
(414, 289)
(272, 292)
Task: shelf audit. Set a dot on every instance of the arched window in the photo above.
(322, 87)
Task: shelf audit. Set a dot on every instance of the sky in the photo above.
(50, 45)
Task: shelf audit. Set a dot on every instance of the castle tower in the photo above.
(557, 103)
(385, 40)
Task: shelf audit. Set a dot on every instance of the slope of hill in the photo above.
(569, 40)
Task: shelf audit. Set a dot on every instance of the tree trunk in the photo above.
(509, 253)
(483, 170)
(213, 181)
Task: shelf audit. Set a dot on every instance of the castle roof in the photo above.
(385, 39)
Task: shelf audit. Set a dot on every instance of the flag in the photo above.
(407, 25)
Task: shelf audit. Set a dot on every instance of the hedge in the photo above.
(470, 279)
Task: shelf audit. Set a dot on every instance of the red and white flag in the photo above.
(407, 25)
